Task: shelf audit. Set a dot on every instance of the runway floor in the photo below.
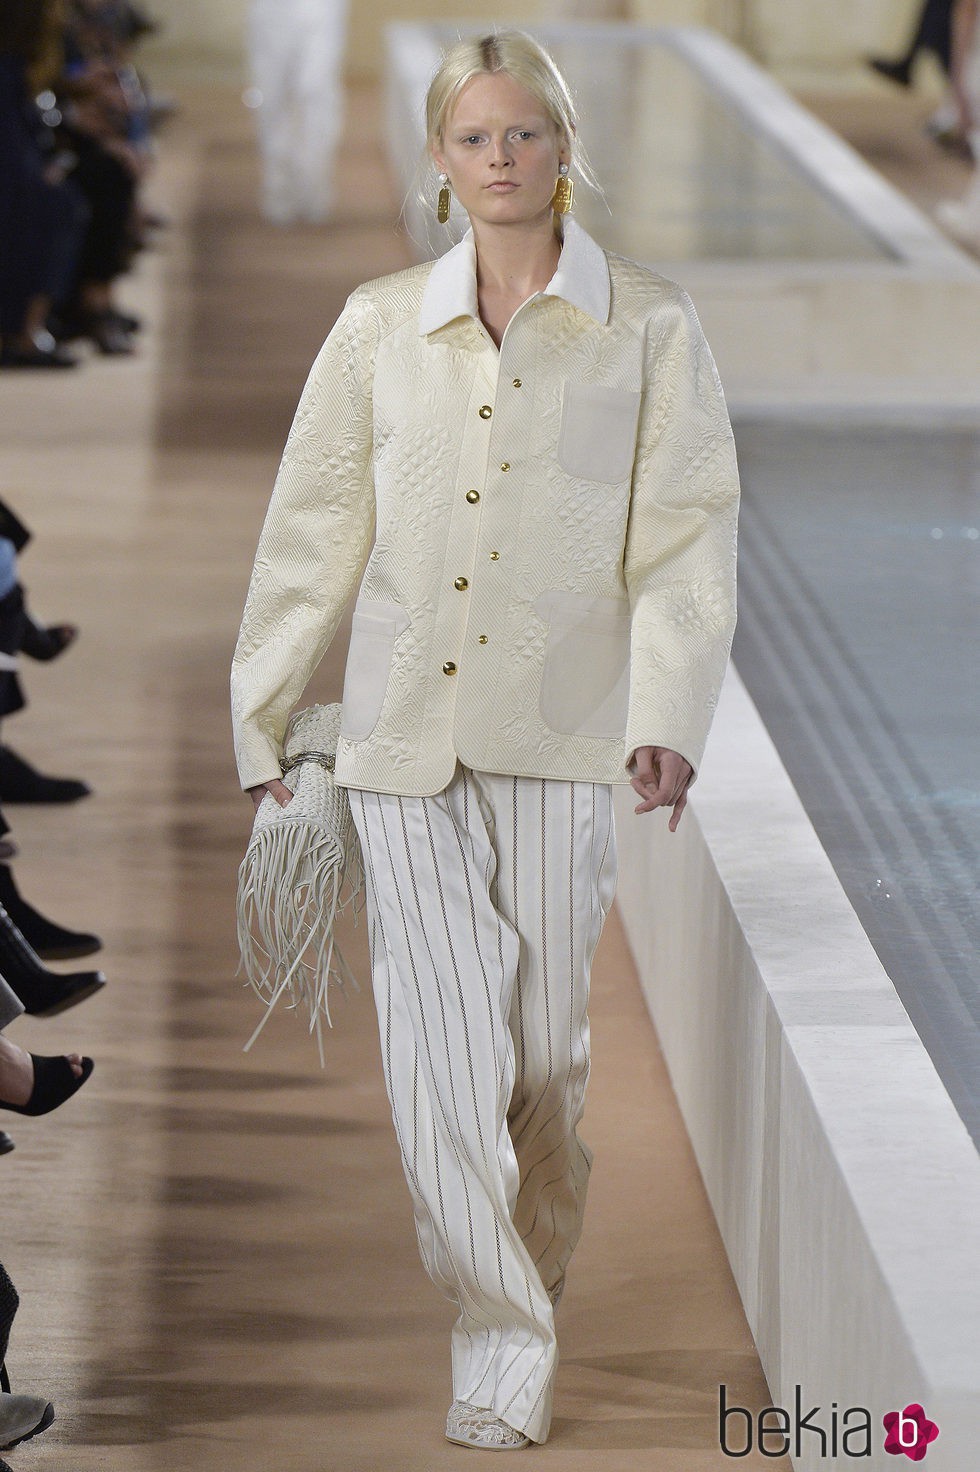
(215, 1251)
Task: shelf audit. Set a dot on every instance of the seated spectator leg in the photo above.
(109, 189)
(64, 221)
(12, 621)
(23, 240)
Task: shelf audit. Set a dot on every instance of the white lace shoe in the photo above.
(472, 1426)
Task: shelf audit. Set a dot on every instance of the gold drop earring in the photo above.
(561, 201)
(442, 208)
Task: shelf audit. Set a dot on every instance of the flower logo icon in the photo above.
(909, 1431)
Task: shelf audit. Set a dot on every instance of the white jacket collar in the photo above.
(582, 279)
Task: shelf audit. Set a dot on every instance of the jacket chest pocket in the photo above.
(597, 437)
(374, 629)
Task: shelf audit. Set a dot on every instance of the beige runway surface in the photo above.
(214, 1250)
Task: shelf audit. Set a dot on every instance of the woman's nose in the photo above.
(500, 156)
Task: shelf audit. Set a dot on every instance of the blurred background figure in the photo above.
(43, 217)
(297, 54)
(934, 33)
(962, 216)
(75, 149)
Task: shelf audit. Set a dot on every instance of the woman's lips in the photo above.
(503, 186)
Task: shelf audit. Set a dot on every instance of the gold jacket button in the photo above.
(461, 583)
(472, 497)
(505, 464)
(494, 556)
(482, 639)
(485, 411)
(449, 668)
(517, 383)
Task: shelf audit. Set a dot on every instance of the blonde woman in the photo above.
(518, 456)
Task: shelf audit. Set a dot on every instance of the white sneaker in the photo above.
(468, 1425)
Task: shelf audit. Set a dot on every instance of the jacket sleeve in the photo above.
(314, 543)
(679, 559)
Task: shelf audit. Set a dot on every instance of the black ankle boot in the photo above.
(20, 782)
(43, 992)
(50, 941)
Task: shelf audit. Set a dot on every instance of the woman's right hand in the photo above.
(279, 790)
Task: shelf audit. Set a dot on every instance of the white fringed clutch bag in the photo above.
(301, 869)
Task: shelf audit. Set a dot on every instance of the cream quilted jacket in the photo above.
(541, 538)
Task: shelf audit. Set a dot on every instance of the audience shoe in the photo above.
(20, 782)
(44, 993)
(468, 1425)
(21, 1417)
(47, 940)
(44, 352)
(954, 141)
(54, 1083)
(6, 1143)
(44, 643)
(110, 337)
(899, 72)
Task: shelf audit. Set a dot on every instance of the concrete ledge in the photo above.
(845, 1185)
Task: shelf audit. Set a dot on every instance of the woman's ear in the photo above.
(439, 161)
(565, 148)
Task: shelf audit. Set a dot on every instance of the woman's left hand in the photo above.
(661, 777)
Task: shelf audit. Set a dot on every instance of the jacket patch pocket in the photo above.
(374, 629)
(585, 679)
(597, 438)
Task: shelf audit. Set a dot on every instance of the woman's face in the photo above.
(501, 151)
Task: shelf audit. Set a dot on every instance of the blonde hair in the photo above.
(509, 51)
(529, 64)
(526, 61)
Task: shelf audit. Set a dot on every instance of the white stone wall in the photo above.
(208, 37)
(831, 35)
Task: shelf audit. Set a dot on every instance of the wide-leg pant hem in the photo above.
(485, 904)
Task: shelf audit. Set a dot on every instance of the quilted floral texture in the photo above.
(422, 471)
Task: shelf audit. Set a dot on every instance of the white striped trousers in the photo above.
(485, 904)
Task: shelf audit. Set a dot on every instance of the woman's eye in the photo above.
(524, 133)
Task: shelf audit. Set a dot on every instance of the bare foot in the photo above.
(17, 1072)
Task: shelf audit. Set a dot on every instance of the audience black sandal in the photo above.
(6, 1143)
(44, 993)
(55, 1081)
(46, 939)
